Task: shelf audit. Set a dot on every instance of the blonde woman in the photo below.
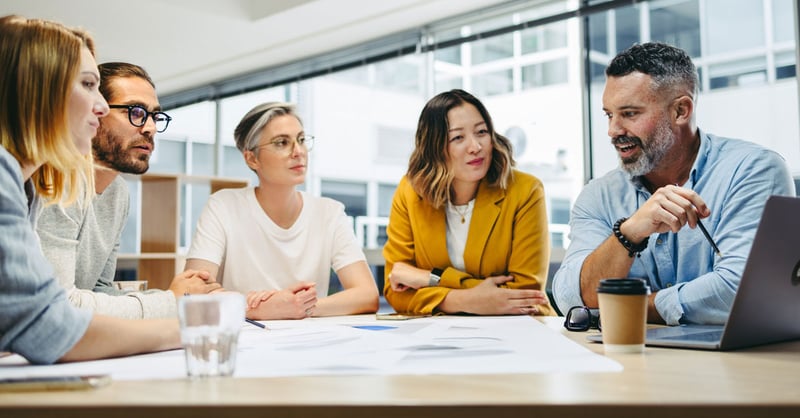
(51, 109)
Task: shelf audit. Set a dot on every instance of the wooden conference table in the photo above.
(757, 382)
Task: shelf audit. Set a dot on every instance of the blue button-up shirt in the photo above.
(734, 178)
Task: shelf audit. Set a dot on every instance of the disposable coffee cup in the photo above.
(623, 314)
(210, 327)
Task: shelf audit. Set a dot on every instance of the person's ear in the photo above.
(683, 108)
(251, 160)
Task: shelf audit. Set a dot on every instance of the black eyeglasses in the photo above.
(137, 115)
(581, 318)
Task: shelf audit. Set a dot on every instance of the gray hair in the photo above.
(670, 67)
(249, 128)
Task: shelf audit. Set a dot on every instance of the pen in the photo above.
(258, 324)
(708, 237)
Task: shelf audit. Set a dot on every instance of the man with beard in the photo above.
(81, 241)
(630, 222)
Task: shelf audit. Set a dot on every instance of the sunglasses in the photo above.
(581, 318)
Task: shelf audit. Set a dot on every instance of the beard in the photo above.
(652, 153)
(114, 152)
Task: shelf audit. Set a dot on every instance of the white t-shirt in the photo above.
(256, 254)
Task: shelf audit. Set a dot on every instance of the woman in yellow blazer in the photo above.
(466, 233)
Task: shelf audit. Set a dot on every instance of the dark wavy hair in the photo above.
(428, 172)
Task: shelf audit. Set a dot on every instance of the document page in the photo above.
(362, 345)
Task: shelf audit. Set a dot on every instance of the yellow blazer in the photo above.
(507, 235)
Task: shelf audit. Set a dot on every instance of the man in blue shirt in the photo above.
(630, 222)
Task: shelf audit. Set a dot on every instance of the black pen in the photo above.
(258, 324)
(708, 237)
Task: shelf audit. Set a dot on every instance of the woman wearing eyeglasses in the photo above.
(467, 233)
(275, 243)
(51, 108)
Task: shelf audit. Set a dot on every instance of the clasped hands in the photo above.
(295, 302)
(193, 282)
(487, 298)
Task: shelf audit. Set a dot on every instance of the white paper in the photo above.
(362, 345)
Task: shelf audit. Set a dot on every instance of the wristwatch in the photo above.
(436, 277)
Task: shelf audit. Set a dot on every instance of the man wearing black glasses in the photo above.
(82, 240)
(632, 221)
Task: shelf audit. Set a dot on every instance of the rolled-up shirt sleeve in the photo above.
(693, 285)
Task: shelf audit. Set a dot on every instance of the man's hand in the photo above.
(193, 282)
(669, 209)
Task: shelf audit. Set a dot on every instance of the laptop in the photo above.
(766, 308)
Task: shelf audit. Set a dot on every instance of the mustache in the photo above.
(625, 140)
(142, 140)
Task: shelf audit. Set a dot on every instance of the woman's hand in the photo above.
(488, 298)
(405, 276)
(295, 302)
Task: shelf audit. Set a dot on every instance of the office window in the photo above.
(737, 84)
(452, 54)
(785, 65)
(492, 49)
(676, 23)
(233, 165)
(734, 25)
(627, 27)
(400, 74)
(493, 83)
(544, 38)
(385, 196)
(448, 71)
(739, 73)
(169, 156)
(597, 28)
(364, 118)
(202, 158)
(545, 74)
(559, 216)
(394, 144)
(446, 83)
(352, 195)
(782, 22)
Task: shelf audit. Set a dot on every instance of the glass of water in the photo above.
(210, 327)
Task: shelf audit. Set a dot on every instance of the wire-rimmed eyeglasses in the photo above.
(581, 318)
(137, 115)
(285, 144)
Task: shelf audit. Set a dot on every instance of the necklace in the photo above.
(461, 213)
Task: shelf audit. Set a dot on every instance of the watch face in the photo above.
(434, 280)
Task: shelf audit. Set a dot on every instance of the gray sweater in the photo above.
(82, 243)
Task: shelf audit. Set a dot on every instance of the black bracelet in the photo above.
(633, 249)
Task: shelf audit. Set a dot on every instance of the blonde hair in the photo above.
(40, 60)
(428, 172)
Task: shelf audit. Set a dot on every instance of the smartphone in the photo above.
(30, 384)
(394, 316)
